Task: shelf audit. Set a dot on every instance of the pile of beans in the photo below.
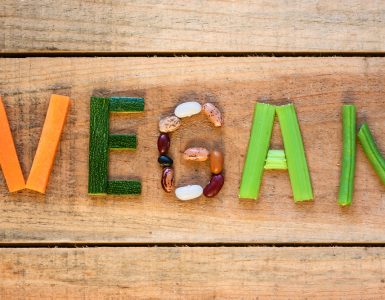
(172, 123)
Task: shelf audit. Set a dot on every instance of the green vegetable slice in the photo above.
(98, 149)
(124, 187)
(345, 194)
(122, 142)
(261, 129)
(126, 105)
(372, 152)
(295, 153)
(276, 160)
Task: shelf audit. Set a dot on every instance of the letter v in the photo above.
(45, 153)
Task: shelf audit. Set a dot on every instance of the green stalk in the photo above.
(122, 141)
(124, 187)
(345, 194)
(98, 153)
(126, 104)
(295, 153)
(276, 160)
(371, 151)
(260, 135)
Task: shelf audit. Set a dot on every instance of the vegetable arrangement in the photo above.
(101, 141)
(259, 157)
(293, 158)
(349, 154)
(172, 123)
(258, 150)
(45, 153)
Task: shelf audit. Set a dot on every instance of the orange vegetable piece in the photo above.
(8, 157)
(49, 141)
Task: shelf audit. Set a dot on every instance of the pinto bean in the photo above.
(196, 154)
(213, 113)
(167, 179)
(169, 124)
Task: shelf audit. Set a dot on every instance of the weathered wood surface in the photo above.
(192, 273)
(317, 86)
(192, 26)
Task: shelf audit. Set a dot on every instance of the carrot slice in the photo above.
(49, 141)
(8, 157)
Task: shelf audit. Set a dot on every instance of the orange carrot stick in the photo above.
(8, 158)
(49, 141)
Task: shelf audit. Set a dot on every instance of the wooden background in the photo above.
(67, 245)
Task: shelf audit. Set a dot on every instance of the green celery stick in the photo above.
(261, 129)
(122, 141)
(372, 152)
(295, 153)
(98, 153)
(276, 160)
(345, 194)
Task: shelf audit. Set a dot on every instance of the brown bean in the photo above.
(214, 186)
(169, 124)
(196, 154)
(216, 162)
(168, 179)
(213, 113)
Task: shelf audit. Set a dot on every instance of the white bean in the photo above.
(187, 109)
(189, 192)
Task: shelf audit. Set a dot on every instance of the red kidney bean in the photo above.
(163, 143)
(214, 186)
(168, 179)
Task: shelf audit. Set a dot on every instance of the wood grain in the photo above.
(192, 26)
(192, 273)
(317, 86)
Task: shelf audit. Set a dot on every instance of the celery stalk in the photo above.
(295, 153)
(257, 151)
(371, 151)
(276, 160)
(345, 194)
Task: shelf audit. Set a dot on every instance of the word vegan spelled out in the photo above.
(259, 157)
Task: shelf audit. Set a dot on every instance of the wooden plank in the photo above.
(192, 273)
(192, 26)
(317, 86)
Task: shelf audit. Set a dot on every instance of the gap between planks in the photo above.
(190, 245)
(190, 54)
